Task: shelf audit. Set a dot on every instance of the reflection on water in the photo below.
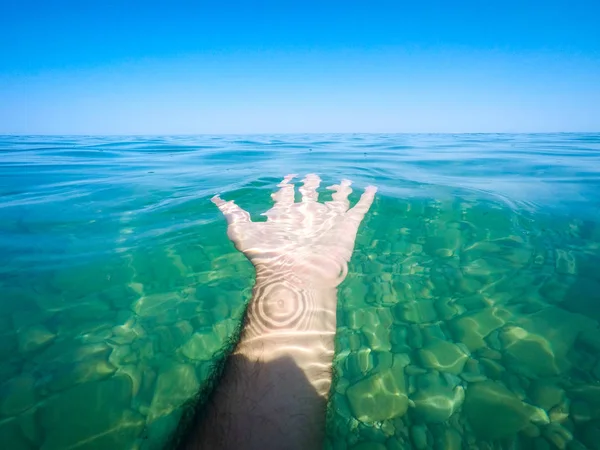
(469, 317)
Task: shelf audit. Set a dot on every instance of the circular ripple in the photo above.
(277, 307)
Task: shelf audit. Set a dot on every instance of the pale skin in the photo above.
(275, 384)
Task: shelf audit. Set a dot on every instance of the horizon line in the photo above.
(288, 133)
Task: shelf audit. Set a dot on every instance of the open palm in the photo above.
(310, 242)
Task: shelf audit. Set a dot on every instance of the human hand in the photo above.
(310, 242)
(277, 379)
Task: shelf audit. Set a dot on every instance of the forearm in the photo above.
(294, 320)
(273, 391)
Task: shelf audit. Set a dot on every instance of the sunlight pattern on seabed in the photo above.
(469, 317)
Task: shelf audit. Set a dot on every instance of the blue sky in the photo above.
(182, 67)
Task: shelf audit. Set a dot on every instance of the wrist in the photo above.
(289, 304)
(284, 320)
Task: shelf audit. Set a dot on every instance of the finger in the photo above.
(362, 207)
(285, 195)
(340, 200)
(309, 188)
(232, 212)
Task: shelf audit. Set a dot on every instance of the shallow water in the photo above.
(469, 317)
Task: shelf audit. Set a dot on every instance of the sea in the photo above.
(469, 318)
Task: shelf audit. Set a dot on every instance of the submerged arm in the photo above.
(274, 386)
(273, 392)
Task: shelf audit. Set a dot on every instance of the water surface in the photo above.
(469, 318)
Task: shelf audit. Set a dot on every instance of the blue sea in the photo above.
(477, 267)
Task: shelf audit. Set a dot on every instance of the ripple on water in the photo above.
(473, 289)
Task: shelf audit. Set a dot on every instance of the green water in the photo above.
(469, 317)
(469, 327)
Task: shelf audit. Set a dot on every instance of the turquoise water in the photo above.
(469, 317)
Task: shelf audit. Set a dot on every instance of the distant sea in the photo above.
(469, 318)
